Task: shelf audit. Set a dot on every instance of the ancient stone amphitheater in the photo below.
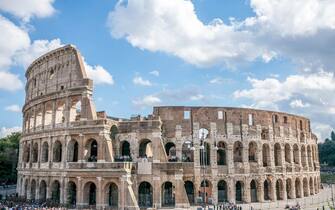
(176, 157)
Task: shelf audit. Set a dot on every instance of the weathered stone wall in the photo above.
(72, 154)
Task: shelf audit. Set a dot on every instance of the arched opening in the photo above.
(267, 190)
(72, 151)
(75, 109)
(90, 191)
(253, 191)
(316, 186)
(145, 195)
(238, 152)
(113, 132)
(35, 153)
(277, 155)
(252, 152)
(55, 192)
(222, 191)
(189, 187)
(43, 191)
(309, 156)
(305, 186)
(112, 195)
(266, 155)
(170, 149)
(72, 194)
(221, 153)
(296, 154)
(279, 189)
(57, 152)
(26, 153)
(311, 186)
(145, 149)
(239, 192)
(92, 150)
(45, 152)
(168, 197)
(298, 188)
(33, 189)
(205, 190)
(289, 188)
(125, 151)
(287, 153)
(205, 154)
(187, 152)
(48, 114)
(59, 115)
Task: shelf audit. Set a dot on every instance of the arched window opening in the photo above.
(189, 188)
(75, 109)
(55, 192)
(311, 186)
(35, 153)
(48, 114)
(38, 120)
(296, 154)
(26, 153)
(252, 152)
(125, 151)
(60, 115)
(170, 149)
(222, 191)
(305, 186)
(92, 150)
(187, 152)
(239, 192)
(113, 132)
(145, 149)
(57, 152)
(277, 154)
(45, 152)
(33, 189)
(43, 191)
(289, 188)
(72, 194)
(205, 154)
(303, 156)
(205, 190)
(145, 195)
(221, 153)
(279, 190)
(113, 195)
(72, 155)
(267, 190)
(238, 152)
(287, 153)
(90, 192)
(266, 155)
(298, 188)
(253, 191)
(168, 195)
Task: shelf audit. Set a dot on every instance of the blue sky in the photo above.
(141, 53)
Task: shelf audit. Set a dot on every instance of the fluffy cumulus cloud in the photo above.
(10, 82)
(28, 8)
(4, 131)
(147, 101)
(98, 74)
(13, 108)
(189, 38)
(138, 80)
(311, 95)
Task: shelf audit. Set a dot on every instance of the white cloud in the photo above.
(322, 130)
(99, 74)
(219, 80)
(155, 73)
(197, 97)
(28, 8)
(147, 101)
(140, 81)
(10, 82)
(188, 38)
(6, 131)
(299, 104)
(13, 108)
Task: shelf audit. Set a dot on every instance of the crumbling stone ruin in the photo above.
(177, 156)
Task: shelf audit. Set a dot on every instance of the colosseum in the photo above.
(176, 157)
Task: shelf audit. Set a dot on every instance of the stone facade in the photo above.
(177, 156)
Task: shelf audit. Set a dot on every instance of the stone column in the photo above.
(37, 191)
(157, 192)
(62, 190)
(245, 157)
(79, 198)
(43, 115)
(292, 191)
(54, 107)
(230, 158)
(101, 148)
(284, 189)
(231, 190)
(180, 193)
(81, 148)
(122, 198)
(215, 191)
(246, 191)
(260, 155)
(273, 190)
(260, 190)
(99, 191)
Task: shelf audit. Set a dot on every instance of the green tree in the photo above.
(9, 151)
(332, 136)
